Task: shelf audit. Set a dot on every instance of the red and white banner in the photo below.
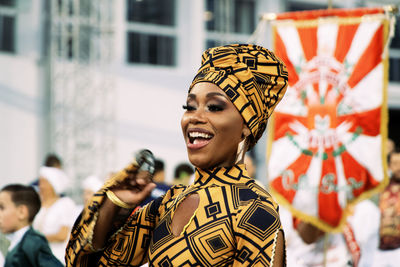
(327, 137)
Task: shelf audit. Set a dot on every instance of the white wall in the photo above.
(150, 99)
(148, 116)
(21, 119)
(22, 99)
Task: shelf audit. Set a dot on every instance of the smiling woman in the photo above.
(224, 218)
(212, 127)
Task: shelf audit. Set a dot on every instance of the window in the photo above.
(151, 49)
(9, 3)
(80, 29)
(152, 11)
(303, 6)
(239, 13)
(7, 25)
(229, 21)
(151, 36)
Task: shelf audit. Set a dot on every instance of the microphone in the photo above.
(145, 159)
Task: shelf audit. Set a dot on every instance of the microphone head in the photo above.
(145, 159)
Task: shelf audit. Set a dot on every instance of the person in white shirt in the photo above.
(316, 248)
(58, 213)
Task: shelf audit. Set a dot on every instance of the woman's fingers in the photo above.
(137, 180)
(134, 188)
(144, 177)
(134, 195)
(141, 195)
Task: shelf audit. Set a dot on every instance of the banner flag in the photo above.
(326, 147)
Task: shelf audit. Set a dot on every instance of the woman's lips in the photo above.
(198, 143)
(198, 138)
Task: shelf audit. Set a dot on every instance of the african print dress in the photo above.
(236, 223)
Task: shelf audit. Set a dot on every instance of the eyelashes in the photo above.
(215, 107)
(187, 107)
(211, 107)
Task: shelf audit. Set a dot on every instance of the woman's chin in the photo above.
(211, 160)
(200, 161)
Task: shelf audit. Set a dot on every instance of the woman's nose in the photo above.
(197, 116)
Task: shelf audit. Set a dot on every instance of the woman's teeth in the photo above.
(198, 134)
(196, 137)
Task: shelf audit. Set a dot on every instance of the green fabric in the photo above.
(33, 250)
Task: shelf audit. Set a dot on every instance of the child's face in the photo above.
(9, 214)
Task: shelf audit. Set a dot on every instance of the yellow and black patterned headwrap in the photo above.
(254, 79)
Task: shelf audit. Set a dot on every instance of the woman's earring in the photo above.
(241, 151)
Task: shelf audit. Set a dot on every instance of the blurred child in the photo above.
(19, 205)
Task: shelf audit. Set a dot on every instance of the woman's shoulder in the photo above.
(255, 199)
(258, 215)
(252, 191)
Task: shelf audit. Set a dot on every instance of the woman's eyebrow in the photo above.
(191, 96)
(209, 95)
(212, 94)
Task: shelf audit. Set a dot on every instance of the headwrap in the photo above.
(56, 177)
(92, 183)
(254, 79)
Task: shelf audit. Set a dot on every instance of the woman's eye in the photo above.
(215, 108)
(188, 107)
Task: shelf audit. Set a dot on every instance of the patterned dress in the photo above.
(236, 223)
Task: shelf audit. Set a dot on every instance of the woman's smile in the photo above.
(198, 138)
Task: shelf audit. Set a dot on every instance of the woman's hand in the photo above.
(131, 186)
(132, 191)
(135, 188)
(137, 184)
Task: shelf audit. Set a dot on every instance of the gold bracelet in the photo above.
(118, 202)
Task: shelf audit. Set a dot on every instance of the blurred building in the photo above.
(94, 81)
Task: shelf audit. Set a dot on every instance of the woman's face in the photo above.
(212, 127)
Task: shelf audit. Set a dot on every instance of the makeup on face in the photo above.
(211, 126)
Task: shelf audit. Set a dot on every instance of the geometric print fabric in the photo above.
(236, 223)
(253, 78)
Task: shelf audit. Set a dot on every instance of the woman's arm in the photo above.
(109, 211)
(92, 232)
(280, 251)
(259, 236)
